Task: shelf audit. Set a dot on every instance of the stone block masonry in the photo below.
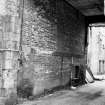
(9, 45)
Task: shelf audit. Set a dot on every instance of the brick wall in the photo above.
(71, 29)
(52, 39)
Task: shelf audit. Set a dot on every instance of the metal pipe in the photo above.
(22, 17)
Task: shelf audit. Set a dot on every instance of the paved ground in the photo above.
(90, 94)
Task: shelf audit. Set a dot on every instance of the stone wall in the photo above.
(52, 39)
(9, 45)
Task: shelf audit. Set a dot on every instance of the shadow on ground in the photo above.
(90, 96)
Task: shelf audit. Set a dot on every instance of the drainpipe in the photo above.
(21, 22)
(61, 69)
(21, 32)
(71, 74)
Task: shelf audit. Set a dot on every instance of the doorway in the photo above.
(96, 48)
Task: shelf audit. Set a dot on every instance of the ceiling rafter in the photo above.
(88, 7)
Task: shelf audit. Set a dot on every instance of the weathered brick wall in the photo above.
(53, 32)
(71, 29)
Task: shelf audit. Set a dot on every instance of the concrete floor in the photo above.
(89, 94)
